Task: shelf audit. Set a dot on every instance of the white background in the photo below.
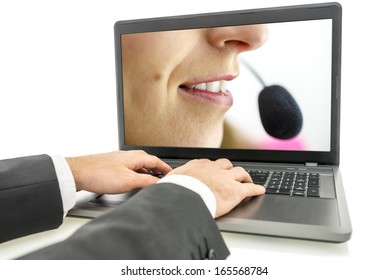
(57, 95)
(296, 56)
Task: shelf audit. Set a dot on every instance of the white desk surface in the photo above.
(239, 244)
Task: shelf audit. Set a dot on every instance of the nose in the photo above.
(242, 38)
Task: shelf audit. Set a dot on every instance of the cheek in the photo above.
(144, 81)
(149, 98)
(149, 77)
(153, 69)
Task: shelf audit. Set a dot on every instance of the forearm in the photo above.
(163, 221)
(30, 200)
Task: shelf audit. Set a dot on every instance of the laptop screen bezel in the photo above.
(231, 18)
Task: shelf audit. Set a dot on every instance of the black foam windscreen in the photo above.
(280, 114)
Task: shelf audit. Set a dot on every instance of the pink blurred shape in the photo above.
(294, 144)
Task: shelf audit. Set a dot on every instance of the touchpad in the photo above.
(280, 208)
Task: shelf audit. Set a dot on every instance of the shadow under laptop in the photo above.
(269, 247)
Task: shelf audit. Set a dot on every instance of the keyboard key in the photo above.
(274, 187)
(259, 179)
(271, 190)
(313, 192)
(298, 193)
(299, 188)
(284, 192)
(288, 183)
(285, 187)
(301, 180)
(313, 183)
(288, 180)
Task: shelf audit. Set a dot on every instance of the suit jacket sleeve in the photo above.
(163, 221)
(30, 199)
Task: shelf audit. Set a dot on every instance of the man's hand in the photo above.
(115, 172)
(229, 184)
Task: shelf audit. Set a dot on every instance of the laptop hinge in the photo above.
(311, 164)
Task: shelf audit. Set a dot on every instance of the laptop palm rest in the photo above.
(269, 207)
(279, 208)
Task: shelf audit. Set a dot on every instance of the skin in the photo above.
(122, 171)
(230, 184)
(157, 65)
(115, 172)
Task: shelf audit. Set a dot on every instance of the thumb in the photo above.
(253, 189)
(144, 180)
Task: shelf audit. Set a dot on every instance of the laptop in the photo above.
(260, 87)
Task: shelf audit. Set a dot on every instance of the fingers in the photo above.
(224, 163)
(251, 189)
(140, 160)
(145, 180)
(240, 174)
(152, 162)
(155, 164)
(242, 177)
(244, 182)
(237, 172)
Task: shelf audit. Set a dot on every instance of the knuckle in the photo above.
(240, 169)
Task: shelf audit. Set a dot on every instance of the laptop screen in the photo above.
(255, 82)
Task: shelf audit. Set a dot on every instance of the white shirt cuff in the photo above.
(66, 182)
(194, 185)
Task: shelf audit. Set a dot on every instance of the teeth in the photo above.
(202, 86)
(223, 86)
(217, 86)
(213, 86)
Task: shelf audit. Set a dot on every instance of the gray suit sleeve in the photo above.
(30, 199)
(163, 221)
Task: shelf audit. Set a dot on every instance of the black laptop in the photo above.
(260, 87)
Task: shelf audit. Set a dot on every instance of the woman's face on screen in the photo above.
(175, 83)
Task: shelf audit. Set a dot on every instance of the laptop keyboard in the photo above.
(288, 183)
(304, 184)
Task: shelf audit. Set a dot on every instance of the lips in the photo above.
(213, 91)
(213, 87)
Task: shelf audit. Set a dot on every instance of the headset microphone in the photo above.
(280, 114)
